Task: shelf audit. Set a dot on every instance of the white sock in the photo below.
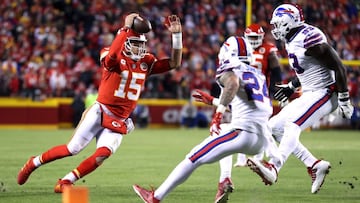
(241, 159)
(36, 161)
(70, 176)
(180, 173)
(302, 153)
(225, 168)
(288, 143)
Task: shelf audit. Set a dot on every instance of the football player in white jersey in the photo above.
(323, 81)
(244, 89)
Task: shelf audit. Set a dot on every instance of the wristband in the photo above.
(216, 102)
(177, 40)
(221, 108)
(343, 96)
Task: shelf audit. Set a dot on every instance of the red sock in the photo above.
(91, 163)
(54, 153)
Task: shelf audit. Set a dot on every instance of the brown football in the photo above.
(141, 25)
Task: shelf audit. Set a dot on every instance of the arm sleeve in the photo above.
(111, 59)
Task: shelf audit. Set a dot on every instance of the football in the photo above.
(141, 25)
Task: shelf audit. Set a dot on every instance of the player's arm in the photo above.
(329, 58)
(111, 60)
(230, 83)
(164, 65)
(274, 65)
(174, 26)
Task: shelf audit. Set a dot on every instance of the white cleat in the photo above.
(265, 170)
(318, 172)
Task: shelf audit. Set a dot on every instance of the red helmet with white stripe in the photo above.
(254, 33)
(135, 45)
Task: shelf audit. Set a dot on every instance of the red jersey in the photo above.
(261, 58)
(123, 78)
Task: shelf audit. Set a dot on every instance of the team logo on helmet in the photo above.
(282, 11)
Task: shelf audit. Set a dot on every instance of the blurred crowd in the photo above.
(51, 48)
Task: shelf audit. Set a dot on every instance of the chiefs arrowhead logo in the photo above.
(115, 124)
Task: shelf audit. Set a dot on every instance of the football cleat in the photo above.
(61, 185)
(265, 170)
(146, 195)
(224, 189)
(318, 172)
(26, 171)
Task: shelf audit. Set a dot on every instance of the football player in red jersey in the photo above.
(265, 55)
(126, 65)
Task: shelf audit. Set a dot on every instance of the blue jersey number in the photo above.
(253, 89)
(295, 63)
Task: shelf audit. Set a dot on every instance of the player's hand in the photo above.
(173, 24)
(129, 19)
(129, 125)
(203, 97)
(346, 109)
(284, 92)
(215, 123)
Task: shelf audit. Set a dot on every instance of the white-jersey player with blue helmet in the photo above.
(323, 81)
(244, 88)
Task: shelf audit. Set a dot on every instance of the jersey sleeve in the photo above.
(160, 66)
(314, 37)
(111, 59)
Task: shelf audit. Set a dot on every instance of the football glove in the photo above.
(284, 92)
(129, 125)
(203, 97)
(346, 109)
(216, 121)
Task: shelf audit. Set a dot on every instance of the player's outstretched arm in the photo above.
(174, 26)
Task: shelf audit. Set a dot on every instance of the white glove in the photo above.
(346, 109)
(129, 125)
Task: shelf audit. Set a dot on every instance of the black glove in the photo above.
(284, 92)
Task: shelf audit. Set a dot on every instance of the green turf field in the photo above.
(147, 156)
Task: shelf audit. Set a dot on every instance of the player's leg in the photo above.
(309, 108)
(225, 185)
(240, 160)
(212, 149)
(107, 143)
(80, 139)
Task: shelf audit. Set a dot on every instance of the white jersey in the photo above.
(311, 73)
(251, 107)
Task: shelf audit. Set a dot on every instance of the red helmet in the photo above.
(135, 45)
(254, 33)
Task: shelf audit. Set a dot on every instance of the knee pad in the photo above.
(101, 154)
(74, 148)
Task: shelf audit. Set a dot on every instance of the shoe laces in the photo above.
(312, 173)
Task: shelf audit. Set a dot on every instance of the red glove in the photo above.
(215, 123)
(203, 97)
